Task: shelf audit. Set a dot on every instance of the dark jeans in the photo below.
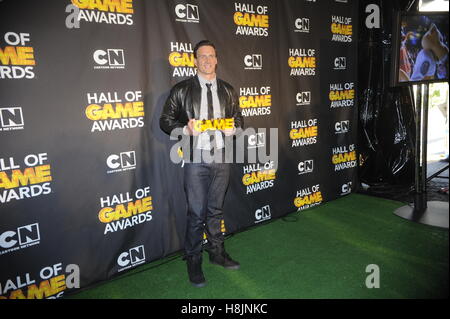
(205, 186)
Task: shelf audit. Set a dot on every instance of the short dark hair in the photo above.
(202, 44)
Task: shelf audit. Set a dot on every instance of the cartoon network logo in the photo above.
(342, 127)
(187, 13)
(302, 25)
(340, 63)
(11, 118)
(253, 62)
(22, 237)
(305, 167)
(262, 214)
(257, 140)
(131, 258)
(346, 188)
(303, 98)
(109, 59)
(123, 161)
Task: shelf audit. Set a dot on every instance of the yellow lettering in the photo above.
(121, 6)
(255, 101)
(109, 214)
(295, 134)
(30, 175)
(308, 199)
(92, 112)
(302, 62)
(219, 124)
(342, 95)
(344, 157)
(130, 109)
(58, 283)
(251, 20)
(47, 288)
(260, 176)
(17, 294)
(17, 56)
(338, 28)
(104, 215)
(229, 123)
(181, 59)
(215, 124)
(38, 293)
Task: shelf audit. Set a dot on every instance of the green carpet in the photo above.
(319, 253)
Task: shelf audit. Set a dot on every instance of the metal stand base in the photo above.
(435, 214)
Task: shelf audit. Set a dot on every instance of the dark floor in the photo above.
(435, 187)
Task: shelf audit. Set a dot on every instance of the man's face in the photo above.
(206, 60)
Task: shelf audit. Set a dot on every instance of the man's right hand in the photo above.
(190, 128)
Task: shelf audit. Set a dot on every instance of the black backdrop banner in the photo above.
(87, 186)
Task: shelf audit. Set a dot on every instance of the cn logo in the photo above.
(11, 118)
(187, 13)
(256, 140)
(303, 98)
(21, 237)
(340, 63)
(346, 188)
(262, 214)
(302, 25)
(111, 58)
(342, 127)
(123, 161)
(132, 257)
(253, 62)
(305, 167)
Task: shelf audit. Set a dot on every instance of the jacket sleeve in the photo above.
(236, 110)
(171, 114)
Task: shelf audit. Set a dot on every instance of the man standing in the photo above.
(190, 103)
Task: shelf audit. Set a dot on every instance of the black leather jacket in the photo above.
(184, 101)
(183, 104)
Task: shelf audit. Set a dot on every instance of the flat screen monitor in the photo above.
(420, 46)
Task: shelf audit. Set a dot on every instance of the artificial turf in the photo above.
(321, 252)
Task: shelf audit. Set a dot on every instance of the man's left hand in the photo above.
(229, 131)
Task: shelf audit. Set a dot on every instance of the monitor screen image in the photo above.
(421, 48)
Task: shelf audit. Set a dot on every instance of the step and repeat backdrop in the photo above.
(87, 187)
